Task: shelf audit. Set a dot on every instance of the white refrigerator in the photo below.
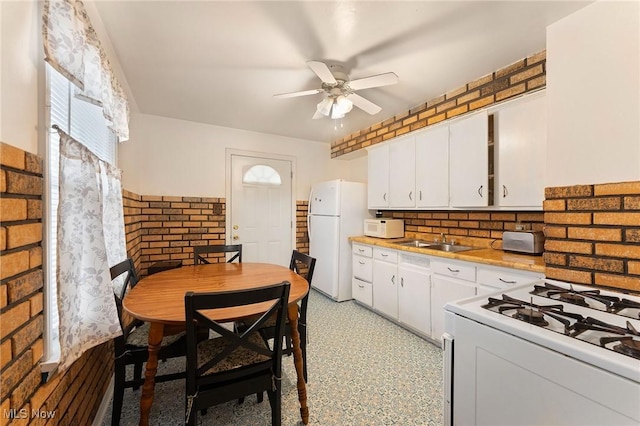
(337, 210)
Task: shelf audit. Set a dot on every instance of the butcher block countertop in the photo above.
(485, 255)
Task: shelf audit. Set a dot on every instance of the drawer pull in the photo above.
(393, 279)
(384, 254)
(361, 262)
(361, 285)
(455, 271)
(507, 281)
(360, 250)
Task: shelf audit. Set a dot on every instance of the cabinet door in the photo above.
(385, 289)
(378, 171)
(521, 139)
(432, 168)
(469, 161)
(402, 172)
(444, 290)
(414, 298)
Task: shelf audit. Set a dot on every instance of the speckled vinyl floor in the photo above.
(363, 370)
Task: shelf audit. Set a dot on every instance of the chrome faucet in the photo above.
(443, 238)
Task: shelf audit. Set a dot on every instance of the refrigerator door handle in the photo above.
(309, 226)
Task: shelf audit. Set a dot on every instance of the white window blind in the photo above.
(84, 122)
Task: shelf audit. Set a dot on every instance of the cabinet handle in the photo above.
(393, 279)
(421, 195)
(507, 281)
(360, 250)
(384, 254)
(402, 281)
(361, 262)
(504, 191)
(384, 196)
(361, 285)
(480, 190)
(411, 195)
(455, 271)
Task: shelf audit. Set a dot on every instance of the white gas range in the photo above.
(545, 354)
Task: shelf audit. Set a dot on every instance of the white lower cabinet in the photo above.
(385, 282)
(452, 280)
(412, 289)
(414, 293)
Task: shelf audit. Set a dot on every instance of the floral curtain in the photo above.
(72, 47)
(90, 239)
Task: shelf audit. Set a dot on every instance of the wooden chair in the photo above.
(132, 346)
(199, 251)
(235, 364)
(303, 265)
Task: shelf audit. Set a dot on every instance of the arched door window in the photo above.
(261, 174)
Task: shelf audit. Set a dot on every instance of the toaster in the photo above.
(528, 242)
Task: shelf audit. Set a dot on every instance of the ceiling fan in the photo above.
(340, 91)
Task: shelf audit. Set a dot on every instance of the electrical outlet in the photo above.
(523, 227)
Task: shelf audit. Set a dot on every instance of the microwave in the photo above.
(384, 228)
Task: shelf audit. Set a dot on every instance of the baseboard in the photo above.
(104, 405)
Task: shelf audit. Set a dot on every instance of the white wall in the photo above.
(20, 57)
(593, 92)
(181, 158)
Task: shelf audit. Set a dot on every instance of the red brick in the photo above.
(537, 57)
(599, 234)
(555, 259)
(25, 285)
(12, 209)
(10, 156)
(22, 235)
(618, 281)
(623, 219)
(526, 74)
(568, 218)
(600, 264)
(621, 188)
(19, 183)
(27, 335)
(568, 246)
(618, 250)
(601, 203)
(554, 205)
(13, 263)
(569, 191)
(569, 275)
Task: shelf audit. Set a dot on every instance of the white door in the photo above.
(432, 168)
(414, 298)
(378, 189)
(402, 172)
(261, 208)
(469, 161)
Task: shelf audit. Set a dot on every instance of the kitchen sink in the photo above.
(414, 243)
(449, 247)
(452, 248)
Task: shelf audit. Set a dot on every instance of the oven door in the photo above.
(447, 346)
(501, 379)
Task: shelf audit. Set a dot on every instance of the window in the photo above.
(262, 174)
(84, 122)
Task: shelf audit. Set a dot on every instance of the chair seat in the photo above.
(140, 337)
(240, 357)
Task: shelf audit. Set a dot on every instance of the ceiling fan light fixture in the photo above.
(343, 104)
(324, 107)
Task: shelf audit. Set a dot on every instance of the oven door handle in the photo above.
(447, 353)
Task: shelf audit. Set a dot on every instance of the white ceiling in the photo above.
(221, 63)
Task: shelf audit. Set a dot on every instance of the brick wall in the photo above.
(593, 234)
(461, 224)
(160, 228)
(74, 396)
(523, 76)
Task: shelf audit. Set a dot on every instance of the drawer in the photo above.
(500, 279)
(460, 270)
(362, 291)
(362, 250)
(363, 268)
(386, 255)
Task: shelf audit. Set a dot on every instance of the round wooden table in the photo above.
(159, 300)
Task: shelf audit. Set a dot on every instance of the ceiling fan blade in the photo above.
(322, 70)
(295, 94)
(379, 80)
(364, 104)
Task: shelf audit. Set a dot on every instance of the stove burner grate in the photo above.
(627, 345)
(531, 315)
(574, 299)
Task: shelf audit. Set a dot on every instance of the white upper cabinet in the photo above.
(468, 161)
(520, 137)
(378, 172)
(432, 168)
(402, 172)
